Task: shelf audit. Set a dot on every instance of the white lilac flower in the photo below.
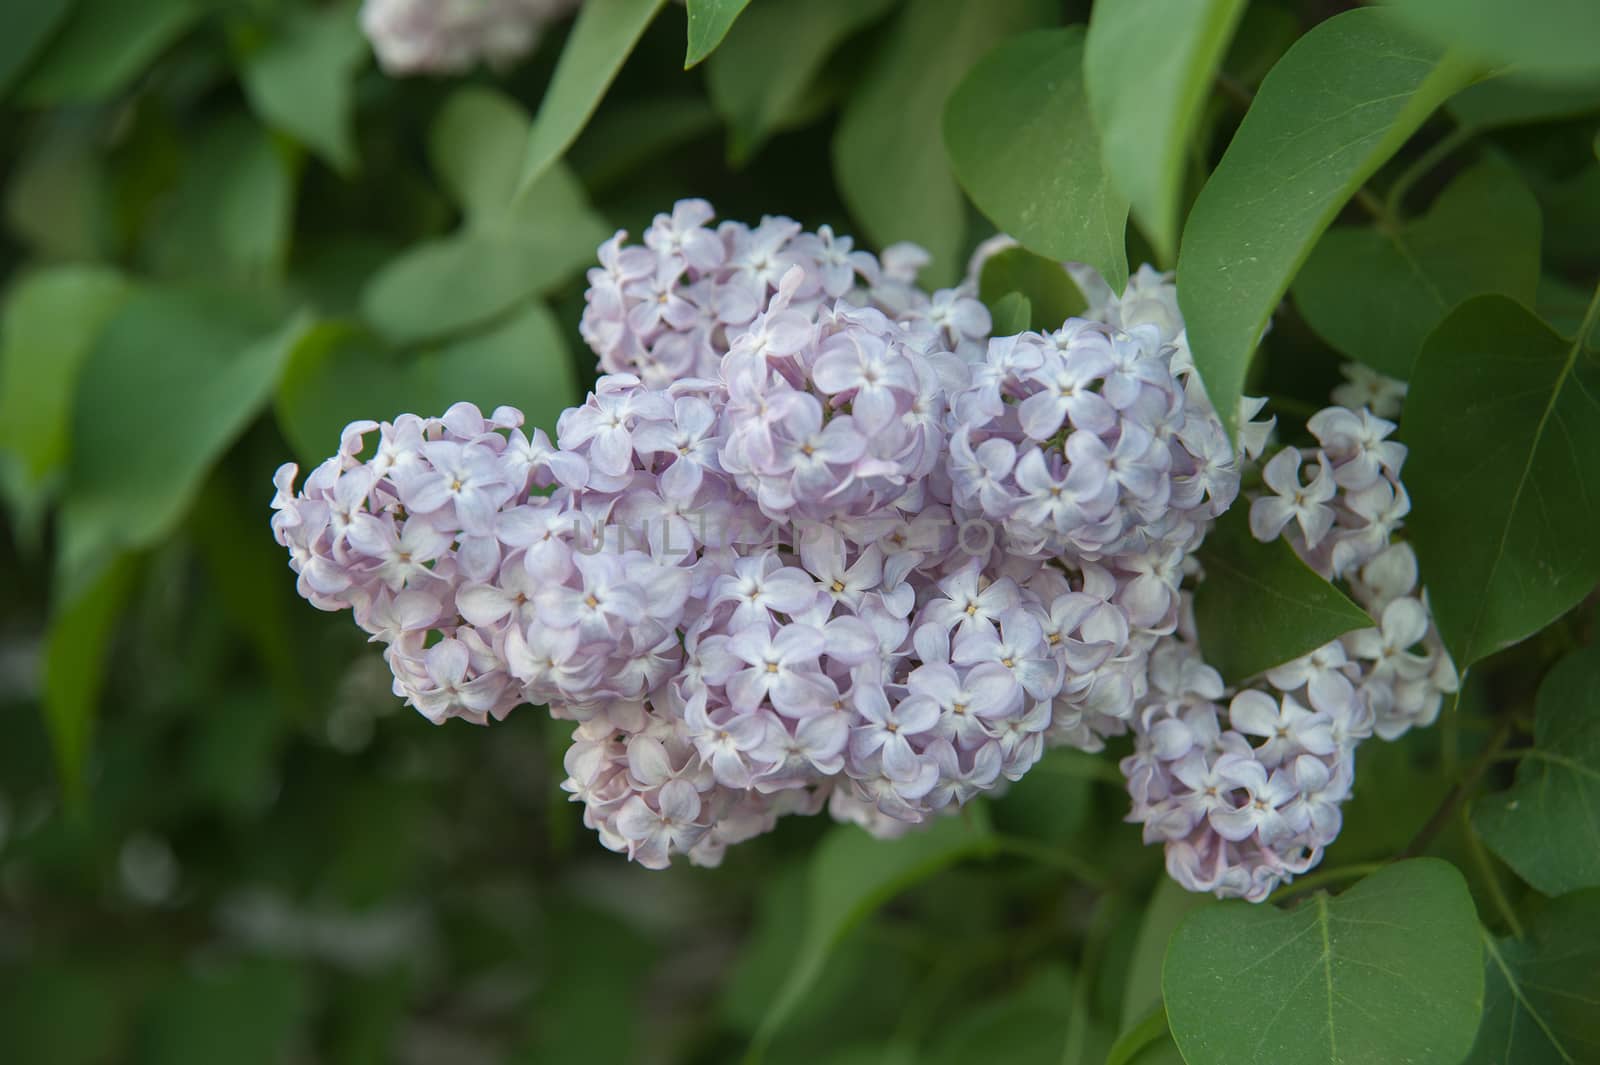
(453, 36)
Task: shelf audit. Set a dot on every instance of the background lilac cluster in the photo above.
(818, 540)
(453, 36)
(1244, 788)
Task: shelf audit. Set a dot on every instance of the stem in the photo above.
(1083, 984)
(1447, 808)
(1045, 855)
(1324, 876)
(1497, 893)
(1441, 149)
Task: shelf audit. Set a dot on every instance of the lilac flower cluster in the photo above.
(673, 307)
(758, 583)
(453, 36)
(817, 540)
(1245, 791)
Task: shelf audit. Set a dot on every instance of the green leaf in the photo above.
(1051, 292)
(1260, 605)
(1542, 994)
(508, 249)
(103, 46)
(341, 374)
(1552, 39)
(464, 281)
(1166, 910)
(1343, 99)
(1391, 970)
(1146, 123)
(52, 319)
(603, 35)
(637, 134)
(1375, 293)
(176, 376)
(1503, 423)
(77, 644)
(301, 80)
(1562, 305)
(1547, 825)
(709, 23)
(1511, 101)
(1143, 1036)
(28, 27)
(1029, 1022)
(851, 875)
(1025, 148)
(759, 77)
(232, 213)
(1012, 314)
(888, 158)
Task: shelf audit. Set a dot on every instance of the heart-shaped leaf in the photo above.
(850, 875)
(1052, 294)
(1025, 147)
(601, 40)
(888, 159)
(1503, 422)
(1375, 293)
(1260, 606)
(1542, 993)
(1146, 123)
(1389, 971)
(1344, 98)
(341, 374)
(1547, 826)
(709, 23)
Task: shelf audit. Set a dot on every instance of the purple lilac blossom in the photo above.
(817, 540)
(1244, 788)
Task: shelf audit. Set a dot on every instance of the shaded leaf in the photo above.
(1146, 123)
(176, 376)
(341, 374)
(1511, 101)
(77, 644)
(709, 23)
(759, 77)
(28, 27)
(1030, 1022)
(1547, 825)
(1012, 314)
(601, 39)
(1025, 148)
(300, 80)
(1542, 994)
(1555, 39)
(1052, 294)
(1391, 970)
(1260, 605)
(508, 248)
(888, 155)
(850, 875)
(1166, 910)
(104, 45)
(1376, 293)
(1339, 104)
(232, 213)
(445, 286)
(52, 319)
(1504, 533)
